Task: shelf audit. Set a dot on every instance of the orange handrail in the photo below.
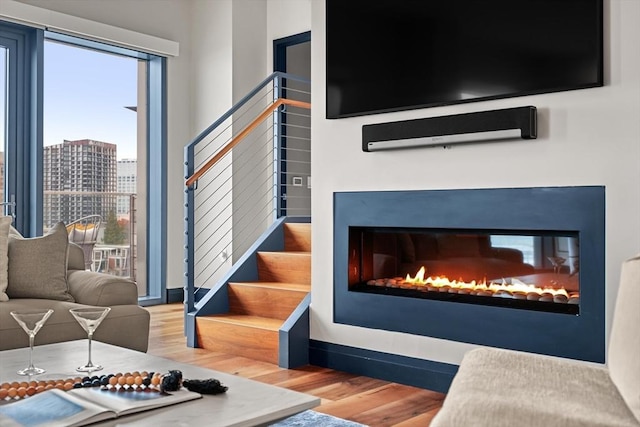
(259, 119)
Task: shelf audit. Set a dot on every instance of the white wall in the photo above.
(586, 137)
(286, 18)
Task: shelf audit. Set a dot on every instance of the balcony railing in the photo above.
(98, 222)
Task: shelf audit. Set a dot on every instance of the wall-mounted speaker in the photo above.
(443, 131)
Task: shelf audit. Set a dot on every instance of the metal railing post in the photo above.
(189, 237)
(278, 196)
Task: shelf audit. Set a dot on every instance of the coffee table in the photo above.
(246, 403)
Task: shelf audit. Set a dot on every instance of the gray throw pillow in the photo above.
(38, 266)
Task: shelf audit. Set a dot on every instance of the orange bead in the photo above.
(138, 380)
(5, 386)
(135, 374)
(155, 380)
(3, 393)
(24, 384)
(12, 392)
(130, 380)
(15, 384)
(22, 392)
(49, 387)
(31, 391)
(40, 389)
(122, 380)
(59, 386)
(33, 383)
(113, 381)
(68, 386)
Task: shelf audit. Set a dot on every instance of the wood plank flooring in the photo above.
(369, 401)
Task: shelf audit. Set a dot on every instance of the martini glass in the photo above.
(31, 321)
(89, 319)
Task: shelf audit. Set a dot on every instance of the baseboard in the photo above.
(421, 373)
(175, 295)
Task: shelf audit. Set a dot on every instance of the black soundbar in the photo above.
(482, 126)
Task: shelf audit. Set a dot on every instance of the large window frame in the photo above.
(24, 140)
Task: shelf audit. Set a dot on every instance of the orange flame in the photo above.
(516, 286)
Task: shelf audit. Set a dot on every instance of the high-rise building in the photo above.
(127, 183)
(79, 180)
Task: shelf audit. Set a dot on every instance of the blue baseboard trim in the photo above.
(411, 371)
(175, 295)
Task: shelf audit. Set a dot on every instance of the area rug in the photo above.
(313, 418)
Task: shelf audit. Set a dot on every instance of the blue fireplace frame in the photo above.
(562, 209)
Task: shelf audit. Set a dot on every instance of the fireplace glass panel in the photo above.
(523, 270)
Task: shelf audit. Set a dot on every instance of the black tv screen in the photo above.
(391, 55)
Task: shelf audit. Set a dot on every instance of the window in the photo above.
(57, 169)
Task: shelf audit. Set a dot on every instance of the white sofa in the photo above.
(495, 388)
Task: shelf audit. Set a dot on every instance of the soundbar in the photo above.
(443, 131)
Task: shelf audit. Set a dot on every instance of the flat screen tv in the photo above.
(391, 55)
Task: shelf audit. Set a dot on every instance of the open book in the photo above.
(84, 406)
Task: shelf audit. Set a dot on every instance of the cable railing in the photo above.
(250, 167)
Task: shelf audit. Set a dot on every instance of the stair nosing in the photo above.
(225, 318)
(273, 285)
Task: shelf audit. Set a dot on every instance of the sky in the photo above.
(85, 95)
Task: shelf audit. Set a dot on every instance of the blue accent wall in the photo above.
(576, 209)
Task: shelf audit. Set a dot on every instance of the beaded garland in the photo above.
(130, 381)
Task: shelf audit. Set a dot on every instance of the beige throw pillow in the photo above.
(5, 225)
(38, 266)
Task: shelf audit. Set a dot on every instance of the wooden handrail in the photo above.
(240, 136)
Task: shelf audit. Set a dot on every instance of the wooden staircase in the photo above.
(258, 309)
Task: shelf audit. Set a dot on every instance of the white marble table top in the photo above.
(246, 403)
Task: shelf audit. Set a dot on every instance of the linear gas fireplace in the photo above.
(533, 271)
(512, 268)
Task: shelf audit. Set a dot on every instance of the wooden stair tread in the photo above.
(259, 307)
(301, 287)
(246, 320)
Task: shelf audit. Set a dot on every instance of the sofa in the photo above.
(495, 387)
(33, 265)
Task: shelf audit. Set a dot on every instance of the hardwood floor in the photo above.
(369, 401)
